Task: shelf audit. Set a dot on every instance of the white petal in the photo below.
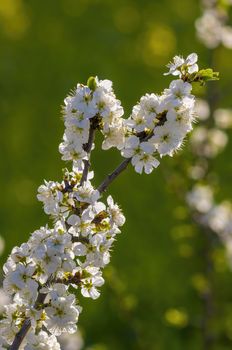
(191, 59)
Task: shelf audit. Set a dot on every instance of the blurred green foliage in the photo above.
(152, 298)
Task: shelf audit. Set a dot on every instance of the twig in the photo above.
(19, 337)
(111, 177)
(88, 147)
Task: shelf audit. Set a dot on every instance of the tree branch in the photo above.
(88, 147)
(21, 335)
(26, 325)
(111, 177)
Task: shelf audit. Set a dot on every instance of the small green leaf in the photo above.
(208, 74)
(203, 75)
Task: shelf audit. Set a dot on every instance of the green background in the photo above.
(153, 297)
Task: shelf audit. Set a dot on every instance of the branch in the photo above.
(21, 335)
(111, 177)
(88, 147)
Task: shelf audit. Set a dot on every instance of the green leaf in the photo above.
(208, 74)
(203, 75)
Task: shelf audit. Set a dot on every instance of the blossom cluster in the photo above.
(213, 216)
(164, 119)
(210, 138)
(212, 27)
(209, 141)
(66, 341)
(94, 105)
(56, 261)
(46, 275)
(157, 126)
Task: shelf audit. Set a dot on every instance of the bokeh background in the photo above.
(152, 298)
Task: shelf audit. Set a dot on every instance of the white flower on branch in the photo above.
(181, 66)
(62, 315)
(166, 139)
(42, 341)
(41, 274)
(141, 154)
(144, 114)
(86, 193)
(92, 280)
(115, 212)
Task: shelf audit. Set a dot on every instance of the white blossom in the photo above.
(181, 66)
(41, 341)
(89, 284)
(166, 139)
(4, 299)
(86, 193)
(208, 142)
(209, 28)
(202, 109)
(223, 118)
(200, 198)
(115, 212)
(62, 315)
(213, 26)
(71, 341)
(141, 155)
